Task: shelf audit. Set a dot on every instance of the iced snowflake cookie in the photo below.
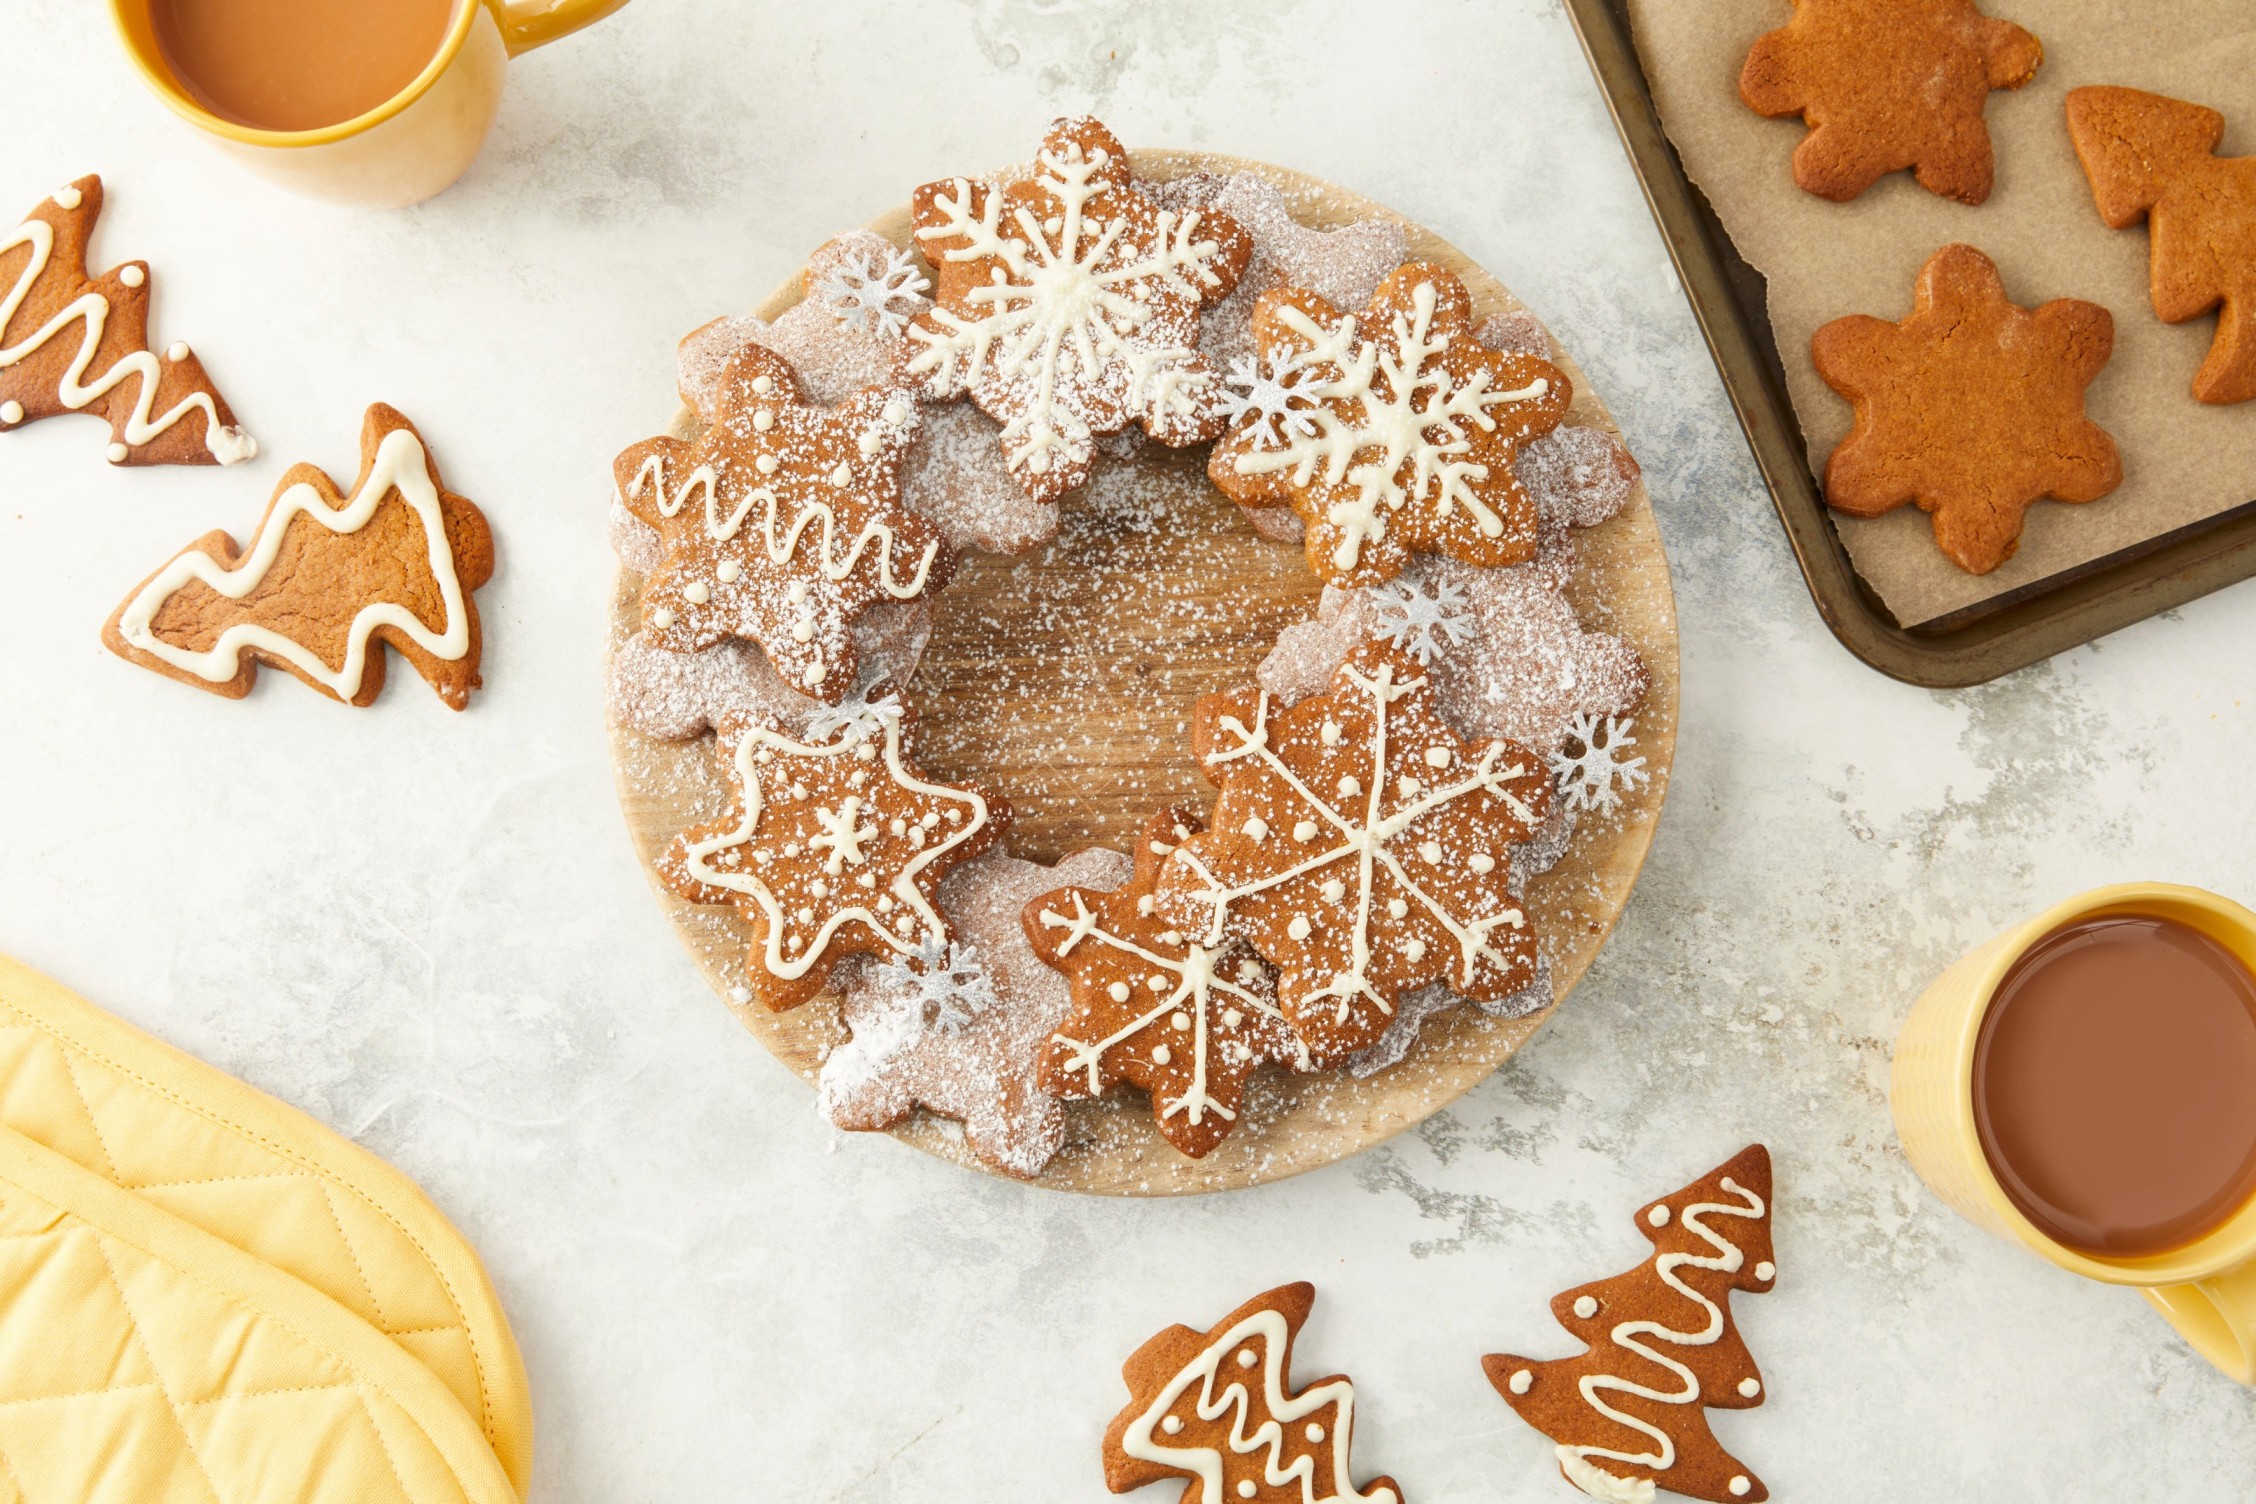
(1400, 429)
(1067, 306)
(1155, 1007)
(849, 331)
(1361, 846)
(958, 1028)
(70, 342)
(781, 523)
(834, 848)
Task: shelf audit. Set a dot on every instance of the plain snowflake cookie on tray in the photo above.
(1433, 790)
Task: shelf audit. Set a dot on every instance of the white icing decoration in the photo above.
(1586, 1307)
(117, 454)
(1067, 299)
(1750, 1387)
(1218, 1396)
(1658, 1216)
(1418, 422)
(1739, 1485)
(69, 198)
(1422, 624)
(903, 887)
(1727, 1258)
(1522, 1381)
(1766, 1270)
(1586, 781)
(227, 445)
(1367, 840)
(132, 276)
(861, 296)
(399, 466)
(11, 412)
(1602, 1485)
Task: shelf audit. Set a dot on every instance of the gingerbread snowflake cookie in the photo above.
(1067, 305)
(1361, 846)
(328, 581)
(781, 523)
(73, 342)
(833, 848)
(1400, 433)
(849, 331)
(1218, 1409)
(1153, 1006)
(958, 1027)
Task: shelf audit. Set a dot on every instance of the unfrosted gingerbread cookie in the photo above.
(328, 581)
(675, 696)
(959, 1029)
(1888, 84)
(75, 343)
(1360, 846)
(2154, 158)
(833, 847)
(1398, 431)
(1067, 306)
(1972, 407)
(1342, 265)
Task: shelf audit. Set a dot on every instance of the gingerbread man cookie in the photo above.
(1361, 846)
(1067, 306)
(833, 849)
(1972, 407)
(2152, 157)
(327, 582)
(781, 523)
(1397, 431)
(1153, 1006)
(70, 342)
(1889, 84)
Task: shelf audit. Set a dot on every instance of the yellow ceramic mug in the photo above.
(2206, 1289)
(409, 147)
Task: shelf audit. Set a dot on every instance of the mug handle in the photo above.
(526, 24)
(2217, 1318)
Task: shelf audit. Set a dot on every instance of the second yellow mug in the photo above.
(2207, 1288)
(406, 149)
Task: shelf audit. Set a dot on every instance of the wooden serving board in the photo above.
(1063, 678)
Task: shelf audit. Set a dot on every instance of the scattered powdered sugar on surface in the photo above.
(635, 541)
(966, 1046)
(672, 696)
(1576, 475)
(1344, 265)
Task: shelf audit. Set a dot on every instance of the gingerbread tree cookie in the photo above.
(1630, 1414)
(1889, 84)
(1217, 1409)
(1067, 305)
(1972, 408)
(1397, 430)
(70, 342)
(2153, 157)
(327, 582)
(781, 523)
(1361, 846)
(834, 849)
(1153, 1006)
(958, 1029)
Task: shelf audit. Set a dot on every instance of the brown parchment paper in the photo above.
(2182, 461)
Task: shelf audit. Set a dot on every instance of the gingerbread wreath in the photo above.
(1405, 763)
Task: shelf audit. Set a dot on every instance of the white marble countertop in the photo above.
(428, 930)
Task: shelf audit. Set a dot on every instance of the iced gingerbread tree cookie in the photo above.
(1067, 306)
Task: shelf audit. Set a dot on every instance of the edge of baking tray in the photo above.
(1727, 298)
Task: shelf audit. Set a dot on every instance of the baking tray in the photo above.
(1729, 299)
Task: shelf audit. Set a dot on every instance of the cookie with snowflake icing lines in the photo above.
(328, 581)
(1507, 653)
(1408, 446)
(75, 343)
(958, 1029)
(1154, 1007)
(674, 696)
(833, 847)
(781, 523)
(1361, 846)
(1067, 305)
(850, 331)
(1218, 1410)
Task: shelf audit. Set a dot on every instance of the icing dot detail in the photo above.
(1750, 1387)
(1522, 1381)
(1586, 1306)
(1245, 1488)
(1314, 1432)
(1658, 1216)
(1738, 1485)
(697, 593)
(11, 412)
(69, 198)
(1246, 1358)
(1299, 928)
(1305, 831)
(176, 351)
(762, 385)
(116, 454)
(1766, 1270)
(662, 619)
(132, 276)
(1161, 1054)
(1173, 1425)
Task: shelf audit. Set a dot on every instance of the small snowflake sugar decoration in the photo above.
(1421, 620)
(1362, 847)
(1587, 779)
(942, 986)
(1416, 425)
(883, 297)
(1272, 400)
(1342, 265)
(834, 849)
(858, 715)
(1068, 306)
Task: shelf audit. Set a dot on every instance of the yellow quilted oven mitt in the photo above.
(242, 1241)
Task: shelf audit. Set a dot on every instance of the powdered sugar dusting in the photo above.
(674, 696)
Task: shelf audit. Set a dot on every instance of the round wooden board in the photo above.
(1064, 678)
